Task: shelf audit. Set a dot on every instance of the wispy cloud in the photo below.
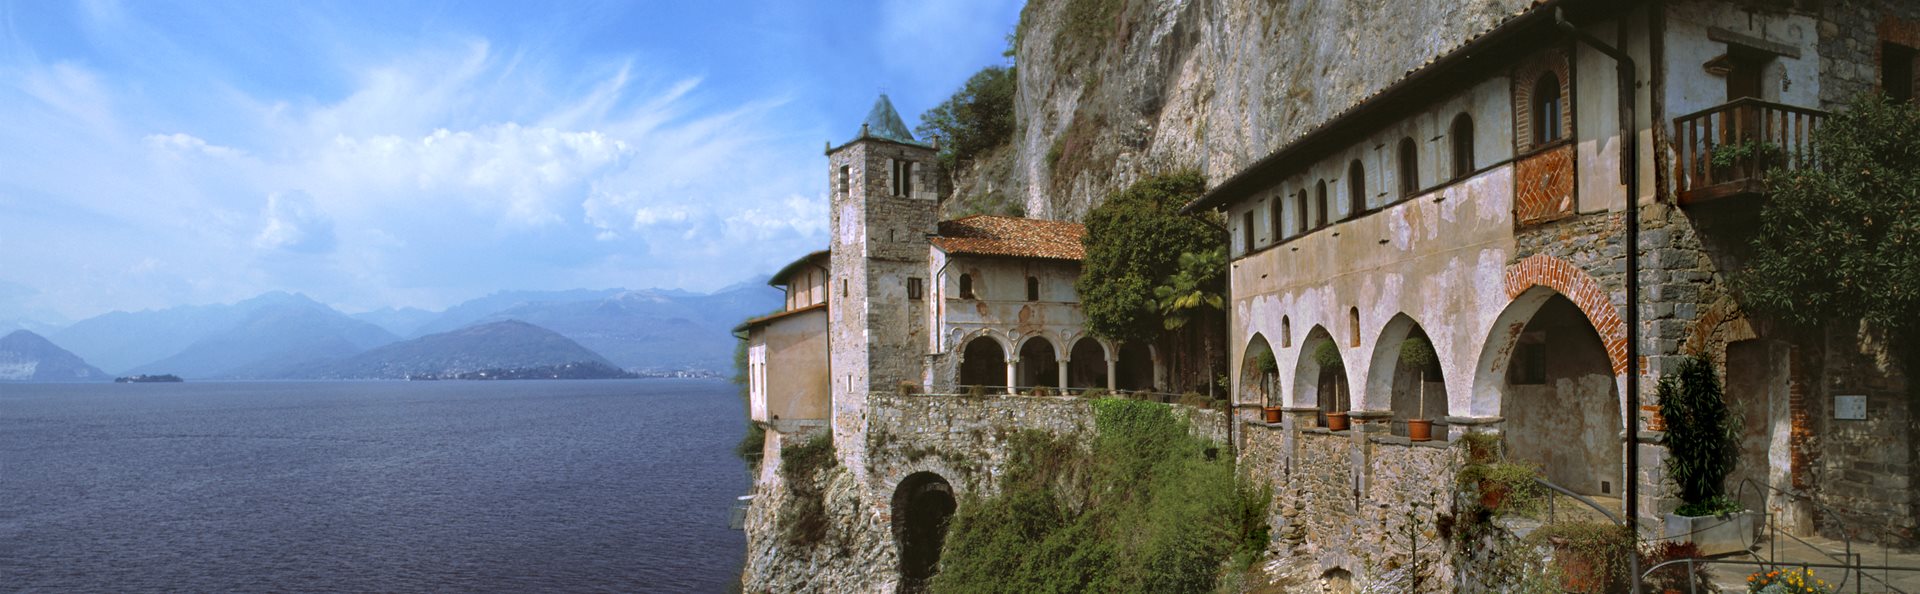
(153, 168)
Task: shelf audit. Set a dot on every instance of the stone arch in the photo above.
(983, 361)
(1258, 386)
(1310, 380)
(1087, 363)
(1563, 277)
(923, 505)
(1549, 374)
(1393, 385)
(1038, 362)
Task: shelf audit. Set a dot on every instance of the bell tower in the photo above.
(883, 207)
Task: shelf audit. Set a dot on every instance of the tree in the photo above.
(1839, 236)
(977, 118)
(1134, 244)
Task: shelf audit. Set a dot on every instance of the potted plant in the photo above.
(1265, 364)
(1418, 352)
(1328, 356)
(1702, 449)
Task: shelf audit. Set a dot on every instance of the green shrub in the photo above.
(1140, 510)
(752, 446)
(977, 118)
(1703, 441)
(1592, 556)
(803, 518)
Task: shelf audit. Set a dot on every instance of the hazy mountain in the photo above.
(650, 329)
(119, 341)
(484, 308)
(503, 345)
(401, 321)
(25, 356)
(277, 335)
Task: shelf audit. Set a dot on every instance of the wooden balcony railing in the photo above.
(1726, 150)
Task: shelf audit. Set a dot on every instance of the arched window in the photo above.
(1286, 331)
(1356, 188)
(1546, 109)
(1409, 168)
(1353, 326)
(1273, 214)
(1033, 289)
(1300, 211)
(966, 286)
(1320, 204)
(1462, 135)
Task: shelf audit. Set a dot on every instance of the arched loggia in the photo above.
(1259, 374)
(1547, 373)
(1039, 364)
(1411, 391)
(1087, 364)
(983, 362)
(1318, 383)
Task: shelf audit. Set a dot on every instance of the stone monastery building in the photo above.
(1482, 202)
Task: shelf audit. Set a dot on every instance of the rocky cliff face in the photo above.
(1111, 90)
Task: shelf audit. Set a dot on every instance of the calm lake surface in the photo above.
(370, 486)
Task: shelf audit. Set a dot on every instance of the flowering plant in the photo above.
(1787, 581)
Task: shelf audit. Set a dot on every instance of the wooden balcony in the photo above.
(1726, 150)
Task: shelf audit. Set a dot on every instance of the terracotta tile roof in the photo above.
(1014, 237)
(772, 317)
(818, 259)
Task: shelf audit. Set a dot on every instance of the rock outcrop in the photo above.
(1112, 90)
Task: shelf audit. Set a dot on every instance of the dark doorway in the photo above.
(923, 505)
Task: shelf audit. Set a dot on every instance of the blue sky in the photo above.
(375, 154)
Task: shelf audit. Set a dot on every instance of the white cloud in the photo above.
(437, 176)
(295, 224)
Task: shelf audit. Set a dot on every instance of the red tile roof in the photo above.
(1014, 237)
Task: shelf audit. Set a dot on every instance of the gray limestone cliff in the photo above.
(1112, 90)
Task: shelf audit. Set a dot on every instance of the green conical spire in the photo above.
(883, 122)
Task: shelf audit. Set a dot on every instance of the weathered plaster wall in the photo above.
(795, 345)
(1000, 311)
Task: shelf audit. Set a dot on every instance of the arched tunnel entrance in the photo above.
(922, 506)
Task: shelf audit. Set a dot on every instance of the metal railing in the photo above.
(1852, 566)
(1728, 148)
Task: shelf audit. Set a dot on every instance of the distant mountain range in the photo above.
(25, 356)
(498, 346)
(283, 335)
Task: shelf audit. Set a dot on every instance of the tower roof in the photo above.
(883, 123)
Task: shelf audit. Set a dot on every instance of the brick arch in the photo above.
(1585, 292)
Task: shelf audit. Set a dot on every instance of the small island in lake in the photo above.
(148, 379)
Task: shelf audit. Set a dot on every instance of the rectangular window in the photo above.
(846, 180)
(903, 178)
(843, 287)
(913, 289)
(1246, 232)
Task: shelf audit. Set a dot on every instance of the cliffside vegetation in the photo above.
(1146, 508)
(1839, 237)
(1150, 268)
(974, 127)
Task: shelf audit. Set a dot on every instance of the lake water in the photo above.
(370, 486)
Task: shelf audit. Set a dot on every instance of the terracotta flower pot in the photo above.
(1492, 494)
(1272, 414)
(1337, 421)
(1420, 429)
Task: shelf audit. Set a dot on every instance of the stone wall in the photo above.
(959, 438)
(1348, 502)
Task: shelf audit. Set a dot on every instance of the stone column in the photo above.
(1113, 379)
(1458, 426)
(1013, 373)
(1063, 376)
